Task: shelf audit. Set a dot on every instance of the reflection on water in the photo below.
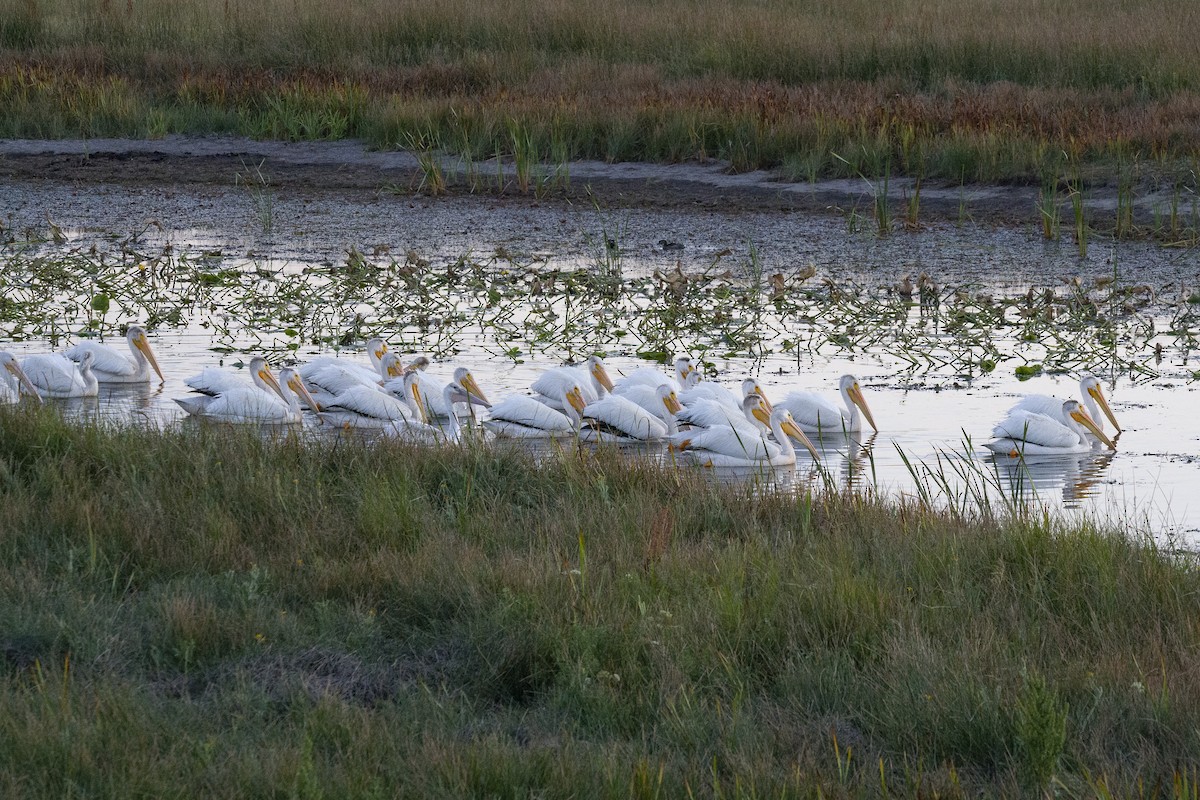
(1077, 476)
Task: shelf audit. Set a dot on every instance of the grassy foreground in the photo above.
(959, 89)
(204, 613)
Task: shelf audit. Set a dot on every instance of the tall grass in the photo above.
(211, 612)
(958, 91)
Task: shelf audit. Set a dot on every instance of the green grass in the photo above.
(204, 612)
(961, 91)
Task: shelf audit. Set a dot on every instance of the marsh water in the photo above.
(510, 286)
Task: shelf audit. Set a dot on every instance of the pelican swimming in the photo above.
(522, 416)
(415, 431)
(329, 380)
(371, 407)
(1025, 432)
(1093, 400)
(711, 390)
(214, 380)
(13, 380)
(55, 375)
(725, 446)
(270, 400)
(376, 348)
(618, 419)
(753, 415)
(685, 375)
(591, 377)
(111, 366)
(463, 389)
(812, 412)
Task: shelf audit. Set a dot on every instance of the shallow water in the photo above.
(933, 401)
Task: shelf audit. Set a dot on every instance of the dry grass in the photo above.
(957, 89)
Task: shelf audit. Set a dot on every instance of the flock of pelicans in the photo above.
(702, 420)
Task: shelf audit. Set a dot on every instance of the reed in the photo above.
(624, 80)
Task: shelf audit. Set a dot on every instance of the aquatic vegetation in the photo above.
(511, 307)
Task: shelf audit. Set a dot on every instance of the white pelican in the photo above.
(522, 416)
(618, 419)
(753, 416)
(111, 366)
(591, 377)
(1027, 433)
(813, 412)
(329, 380)
(13, 380)
(733, 447)
(55, 375)
(1093, 400)
(685, 376)
(214, 380)
(711, 390)
(269, 401)
(412, 430)
(463, 388)
(369, 407)
(376, 348)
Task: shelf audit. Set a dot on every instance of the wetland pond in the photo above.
(511, 286)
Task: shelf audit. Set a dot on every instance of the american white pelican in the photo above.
(753, 415)
(1093, 400)
(214, 380)
(55, 375)
(463, 389)
(1026, 433)
(271, 400)
(111, 366)
(329, 380)
(370, 407)
(13, 380)
(376, 348)
(813, 412)
(711, 390)
(732, 447)
(685, 375)
(522, 416)
(618, 419)
(591, 377)
(415, 431)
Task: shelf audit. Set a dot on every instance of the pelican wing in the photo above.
(645, 397)
(625, 418)
(644, 376)
(330, 362)
(814, 413)
(1036, 429)
(711, 390)
(551, 384)
(245, 404)
(109, 364)
(54, 374)
(733, 442)
(214, 381)
(521, 415)
(1040, 404)
(370, 404)
(707, 413)
(336, 379)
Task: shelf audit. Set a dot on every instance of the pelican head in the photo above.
(420, 362)
(751, 387)
(412, 385)
(851, 390)
(789, 427)
(1090, 385)
(755, 406)
(136, 336)
(376, 348)
(1075, 410)
(390, 366)
(574, 396)
(260, 373)
(595, 365)
(683, 370)
(669, 398)
(464, 378)
(11, 364)
(291, 379)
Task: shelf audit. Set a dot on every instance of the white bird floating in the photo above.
(463, 389)
(111, 366)
(376, 348)
(362, 406)
(753, 415)
(591, 377)
(522, 416)
(1093, 400)
(711, 390)
(618, 419)
(685, 376)
(55, 375)
(1027, 433)
(812, 412)
(727, 446)
(13, 380)
(270, 400)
